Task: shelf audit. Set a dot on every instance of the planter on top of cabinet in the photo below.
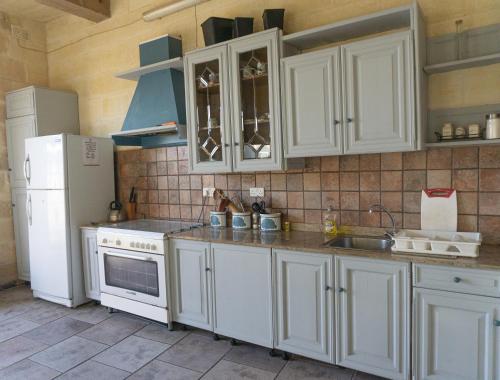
(356, 98)
(244, 134)
(373, 316)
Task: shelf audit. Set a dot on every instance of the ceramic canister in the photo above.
(242, 220)
(270, 222)
(218, 219)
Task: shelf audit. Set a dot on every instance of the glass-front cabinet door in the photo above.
(208, 121)
(255, 102)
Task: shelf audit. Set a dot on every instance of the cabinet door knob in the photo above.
(336, 122)
(457, 279)
(496, 322)
(226, 145)
(328, 287)
(207, 269)
(341, 290)
(236, 143)
(349, 120)
(9, 169)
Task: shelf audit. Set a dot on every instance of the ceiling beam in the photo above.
(93, 10)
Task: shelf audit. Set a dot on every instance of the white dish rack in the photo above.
(444, 243)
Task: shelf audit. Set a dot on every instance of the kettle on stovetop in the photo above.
(116, 212)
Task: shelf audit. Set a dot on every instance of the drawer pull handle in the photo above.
(457, 279)
(496, 322)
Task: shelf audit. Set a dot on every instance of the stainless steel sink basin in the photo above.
(361, 242)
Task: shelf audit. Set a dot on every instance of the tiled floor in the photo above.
(40, 340)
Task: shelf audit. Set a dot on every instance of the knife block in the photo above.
(131, 210)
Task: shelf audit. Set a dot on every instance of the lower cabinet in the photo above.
(191, 287)
(20, 221)
(90, 263)
(372, 316)
(456, 336)
(242, 291)
(304, 304)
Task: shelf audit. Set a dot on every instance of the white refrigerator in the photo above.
(70, 183)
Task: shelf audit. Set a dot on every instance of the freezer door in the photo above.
(49, 242)
(45, 163)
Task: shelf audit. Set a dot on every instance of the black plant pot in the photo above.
(273, 18)
(242, 26)
(217, 29)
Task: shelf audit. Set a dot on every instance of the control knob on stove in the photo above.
(143, 245)
(153, 247)
(118, 242)
(148, 246)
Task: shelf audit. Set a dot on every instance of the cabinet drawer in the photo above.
(20, 103)
(473, 281)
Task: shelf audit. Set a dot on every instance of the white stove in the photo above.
(133, 266)
(143, 235)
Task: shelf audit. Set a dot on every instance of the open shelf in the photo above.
(464, 142)
(379, 22)
(135, 74)
(462, 64)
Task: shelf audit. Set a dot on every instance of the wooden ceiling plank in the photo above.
(93, 10)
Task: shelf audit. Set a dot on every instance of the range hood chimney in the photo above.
(157, 113)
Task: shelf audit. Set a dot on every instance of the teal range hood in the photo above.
(157, 114)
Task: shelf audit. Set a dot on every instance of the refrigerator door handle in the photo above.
(27, 169)
(28, 209)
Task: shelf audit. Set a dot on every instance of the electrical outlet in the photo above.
(208, 191)
(257, 192)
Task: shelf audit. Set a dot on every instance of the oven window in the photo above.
(132, 274)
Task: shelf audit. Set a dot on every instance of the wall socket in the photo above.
(208, 191)
(257, 192)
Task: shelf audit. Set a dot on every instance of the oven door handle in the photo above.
(125, 256)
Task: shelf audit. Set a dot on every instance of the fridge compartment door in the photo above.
(45, 163)
(50, 261)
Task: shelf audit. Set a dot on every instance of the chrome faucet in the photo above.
(384, 209)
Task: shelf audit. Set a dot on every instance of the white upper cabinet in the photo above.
(456, 336)
(207, 100)
(373, 321)
(379, 94)
(233, 105)
(255, 94)
(304, 304)
(312, 107)
(18, 130)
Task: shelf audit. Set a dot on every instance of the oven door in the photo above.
(138, 276)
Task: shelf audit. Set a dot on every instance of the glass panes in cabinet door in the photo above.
(255, 120)
(208, 111)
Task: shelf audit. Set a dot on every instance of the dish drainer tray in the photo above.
(433, 243)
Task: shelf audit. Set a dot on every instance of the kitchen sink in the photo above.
(361, 242)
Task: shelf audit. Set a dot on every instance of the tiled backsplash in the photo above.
(349, 183)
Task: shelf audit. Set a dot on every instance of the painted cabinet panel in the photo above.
(191, 283)
(304, 304)
(456, 336)
(243, 293)
(255, 99)
(18, 130)
(379, 94)
(20, 219)
(90, 263)
(208, 119)
(20, 103)
(312, 104)
(372, 314)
